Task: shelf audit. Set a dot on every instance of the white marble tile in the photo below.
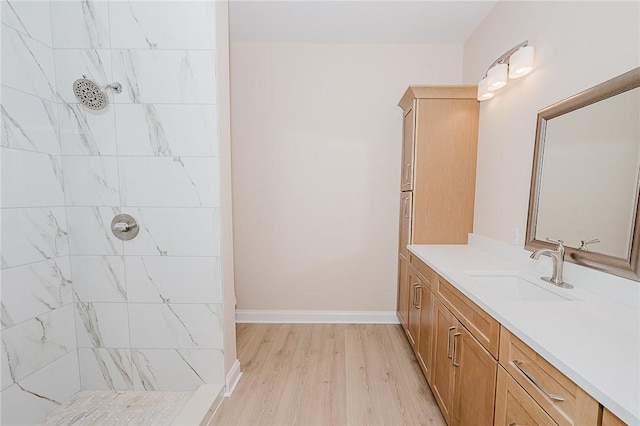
(80, 23)
(35, 289)
(105, 369)
(27, 65)
(99, 278)
(29, 401)
(176, 369)
(23, 408)
(102, 325)
(91, 181)
(162, 25)
(39, 341)
(5, 371)
(32, 18)
(175, 232)
(156, 279)
(72, 64)
(164, 326)
(165, 76)
(90, 231)
(31, 179)
(169, 181)
(86, 132)
(57, 381)
(167, 130)
(29, 122)
(31, 235)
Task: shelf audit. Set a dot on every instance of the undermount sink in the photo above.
(511, 286)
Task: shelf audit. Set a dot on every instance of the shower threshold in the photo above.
(100, 407)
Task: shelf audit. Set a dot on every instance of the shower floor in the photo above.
(90, 407)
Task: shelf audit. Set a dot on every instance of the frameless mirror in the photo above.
(586, 168)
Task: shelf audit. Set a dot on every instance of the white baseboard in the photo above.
(320, 317)
(232, 379)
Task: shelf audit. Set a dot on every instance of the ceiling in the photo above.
(355, 21)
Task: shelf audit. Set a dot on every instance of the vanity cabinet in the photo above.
(413, 326)
(610, 419)
(514, 406)
(564, 401)
(458, 367)
(479, 372)
(464, 372)
(439, 145)
(403, 291)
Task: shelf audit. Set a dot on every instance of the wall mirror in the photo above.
(586, 171)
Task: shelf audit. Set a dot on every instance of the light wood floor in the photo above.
(327, 374)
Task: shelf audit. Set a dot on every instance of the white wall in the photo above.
(316, 169)
(578, 45)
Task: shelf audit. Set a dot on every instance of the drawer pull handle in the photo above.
(449, 342)
(406, 208)
(407, 174)
(416, 286)
(528, 375)
(455, 350)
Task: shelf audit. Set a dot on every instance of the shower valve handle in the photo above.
(124, 227)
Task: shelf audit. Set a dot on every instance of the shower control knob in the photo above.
(124, 227)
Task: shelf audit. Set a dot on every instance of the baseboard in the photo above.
(321, 317)
(232, 379)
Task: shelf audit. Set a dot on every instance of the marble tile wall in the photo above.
(40, 367)
(148, 311)
(78, 305)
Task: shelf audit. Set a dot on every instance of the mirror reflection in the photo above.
(588, 184)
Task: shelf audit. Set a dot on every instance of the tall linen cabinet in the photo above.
(440, 129)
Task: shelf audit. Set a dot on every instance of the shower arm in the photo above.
(116, 87)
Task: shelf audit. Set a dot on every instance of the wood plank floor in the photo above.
(327, 374)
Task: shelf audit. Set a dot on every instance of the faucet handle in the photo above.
(558, 242)
(583, 244)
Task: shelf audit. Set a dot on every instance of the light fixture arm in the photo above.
(505, 56)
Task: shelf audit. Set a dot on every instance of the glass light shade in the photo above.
(497, 77)
(521, 62)
(483, 92)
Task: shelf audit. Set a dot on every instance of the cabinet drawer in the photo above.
(562, 399)
(478, 322)
(514, 406)
(425, 273)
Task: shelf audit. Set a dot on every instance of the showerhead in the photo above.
(91, 95)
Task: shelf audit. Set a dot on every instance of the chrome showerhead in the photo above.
(91, 95)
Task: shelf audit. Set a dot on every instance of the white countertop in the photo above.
(593, 340)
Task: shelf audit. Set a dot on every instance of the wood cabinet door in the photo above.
(514, 406)
(403, 291)
(474, 386)
(408, 131)
(425, 342)
(413, 331)
(610, 419)
(406, 205)
(444, 326)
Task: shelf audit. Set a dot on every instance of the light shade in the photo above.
(521, 62)
(497, 77)
(483, 92)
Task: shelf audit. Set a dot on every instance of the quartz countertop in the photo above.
(593, 340)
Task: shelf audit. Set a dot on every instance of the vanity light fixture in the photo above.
(514, 63)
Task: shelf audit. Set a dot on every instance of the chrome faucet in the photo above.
(557, 256)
